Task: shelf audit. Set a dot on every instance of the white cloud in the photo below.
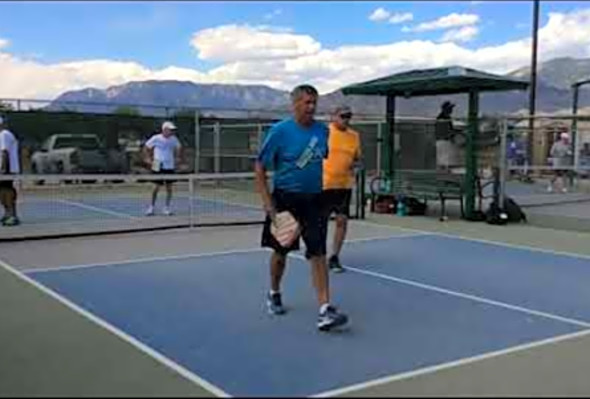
(448, 21)
(401, 17)
(379, 14)
(273, 14)
(463, 34)
(382, 14)
(4, 43)
(231, 43)
(283, 59)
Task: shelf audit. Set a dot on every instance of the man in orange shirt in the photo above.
(344, 152)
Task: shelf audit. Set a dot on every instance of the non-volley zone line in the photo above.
(194, 255)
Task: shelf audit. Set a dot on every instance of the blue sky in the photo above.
(309, 40)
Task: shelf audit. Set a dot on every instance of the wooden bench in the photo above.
(421, 184)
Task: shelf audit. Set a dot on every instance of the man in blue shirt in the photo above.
(295, 149)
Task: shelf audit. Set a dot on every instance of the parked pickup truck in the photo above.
(74, 153)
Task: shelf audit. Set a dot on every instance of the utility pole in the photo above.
(533, 82)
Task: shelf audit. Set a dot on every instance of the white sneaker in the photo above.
(167, 211)
(149, 211)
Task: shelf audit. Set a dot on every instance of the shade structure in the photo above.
(439, 81)
(436, 81)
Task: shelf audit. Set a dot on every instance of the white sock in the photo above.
(324, 307)
(272, 292)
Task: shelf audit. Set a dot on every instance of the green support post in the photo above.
(471, 154)
(390, 118)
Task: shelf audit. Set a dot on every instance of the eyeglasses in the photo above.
(345, 116)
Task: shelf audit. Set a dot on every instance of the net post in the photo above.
(191, 190)
(503, 161)
(216, 147)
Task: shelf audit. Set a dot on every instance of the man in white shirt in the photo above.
(162, 150)
(9, 164)
(561, 154)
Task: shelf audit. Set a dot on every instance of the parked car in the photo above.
(72, 154)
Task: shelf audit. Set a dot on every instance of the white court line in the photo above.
(187, 256)
(96, 209)
(141, 260)
(475, 298)
(445, 366)
(122, 335)
(386, 237)
(481, 240)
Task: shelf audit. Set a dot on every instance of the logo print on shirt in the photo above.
(310, 152)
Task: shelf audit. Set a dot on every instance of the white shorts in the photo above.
(447, 154)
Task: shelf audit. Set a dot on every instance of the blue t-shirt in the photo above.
(296, 155)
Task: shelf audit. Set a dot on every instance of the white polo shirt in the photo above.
(9, 143)
(164, 149)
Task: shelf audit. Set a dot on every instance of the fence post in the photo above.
(576, 144)
(260, 133)
(216, 147)
(379, 147)
(197, 148)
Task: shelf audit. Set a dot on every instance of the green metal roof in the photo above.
(424, 82)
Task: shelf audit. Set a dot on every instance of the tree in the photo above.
(127, 111)
(4, 106)
(184, 113)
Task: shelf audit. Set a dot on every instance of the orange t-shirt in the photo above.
(343, 148)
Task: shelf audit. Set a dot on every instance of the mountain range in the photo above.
(554, 94)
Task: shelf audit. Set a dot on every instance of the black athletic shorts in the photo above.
(164, 172)
(306, 208)
(6, 184)
(337, 201)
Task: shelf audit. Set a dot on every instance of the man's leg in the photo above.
(4, 201)
(551, 185)
(150, 210)
(274, 301)
(321, 279)
(8, 198)
(315, 235)
(339, 235)
(278, 263)
(11, 200)
(167, 210)
(168, 193)
(341, 205)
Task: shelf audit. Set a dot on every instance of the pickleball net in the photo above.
(54, 206)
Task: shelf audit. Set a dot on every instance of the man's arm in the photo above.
(266, 158)
(357, 161)
(148, 151)
(3, 155)
(178, 152)
(4, 162)
(148, 154)
(262, 187)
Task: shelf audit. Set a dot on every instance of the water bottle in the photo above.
(401, 206)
